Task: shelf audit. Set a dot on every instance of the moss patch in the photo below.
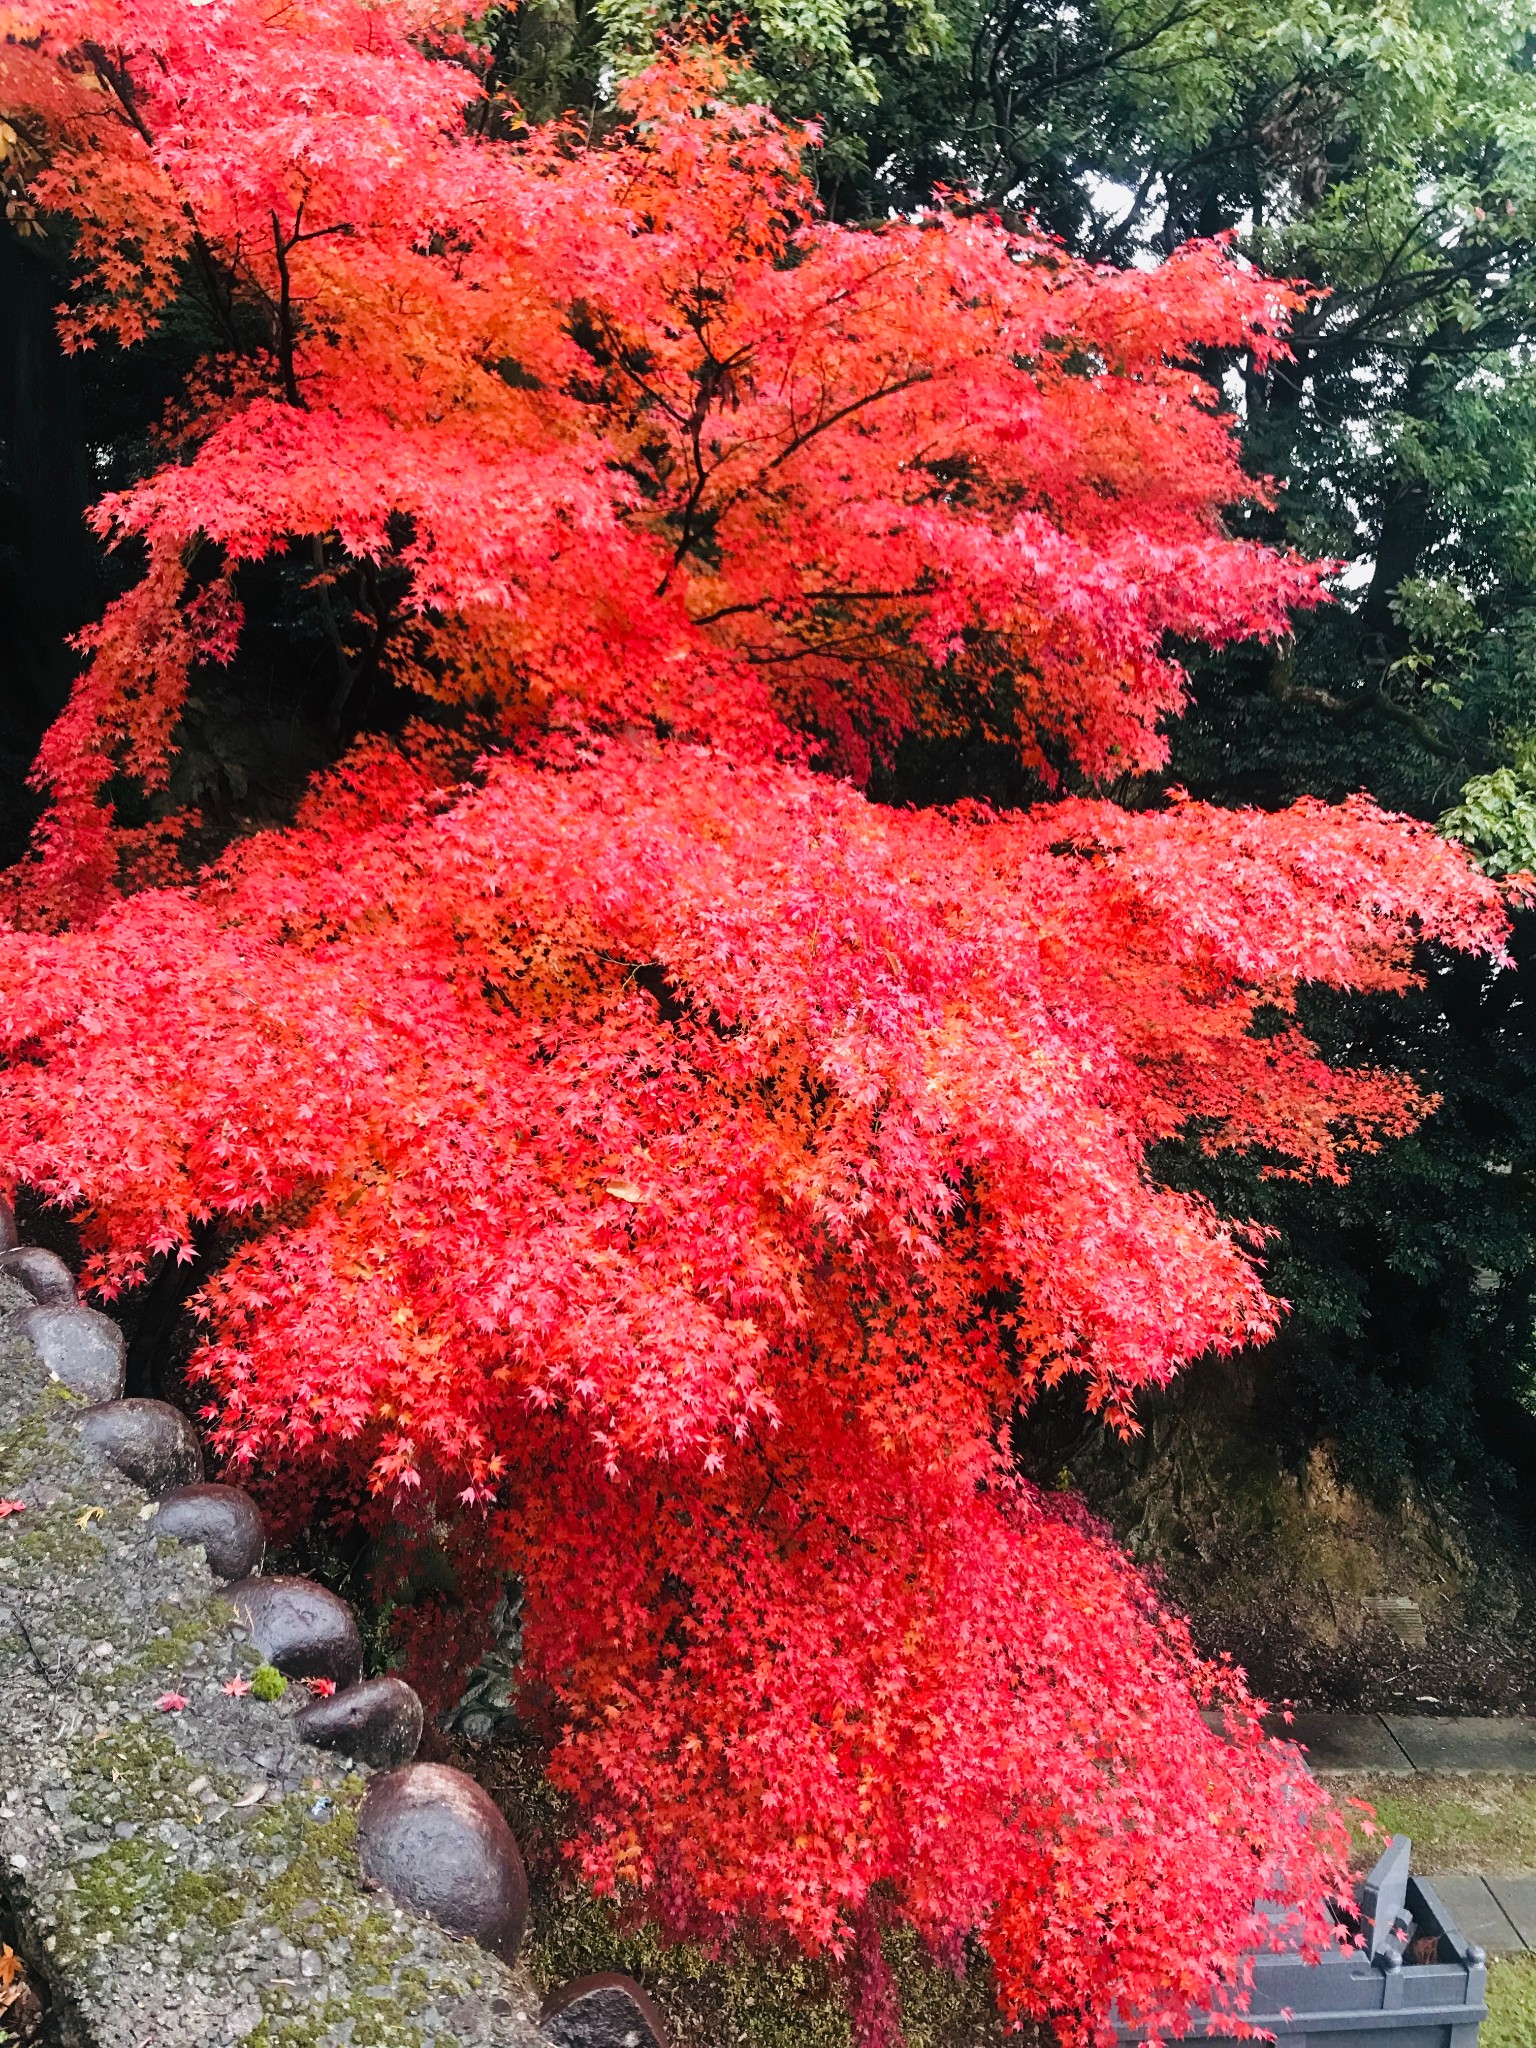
(189, 1633)
(52, 1537)
(138, 1777)
(386, 1987)
(283, 1867)
(1511, 2021)
(740, 1998)
(267, 1683)
(1457, 1823)
(25, 1441)
(19, 1448)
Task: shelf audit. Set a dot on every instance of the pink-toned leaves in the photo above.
(640, 1157)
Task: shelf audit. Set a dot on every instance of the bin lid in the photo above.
(1384, 1899)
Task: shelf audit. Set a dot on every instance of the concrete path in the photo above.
(1497, 1912)
(1504, 1747)
(1415, 1742)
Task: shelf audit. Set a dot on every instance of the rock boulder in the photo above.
(149, 1442)
(43, 1274)
(224, 1519)
(302, 1628)
(82, 1349)
(607, 2011)
(379, 1722)
(436, 1842)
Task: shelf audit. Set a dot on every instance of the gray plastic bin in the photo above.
(1381, 1995)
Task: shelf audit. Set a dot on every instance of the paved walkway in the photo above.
(1497, 1912)
(1415, 1742)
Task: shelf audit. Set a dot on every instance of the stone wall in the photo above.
(181, 1868)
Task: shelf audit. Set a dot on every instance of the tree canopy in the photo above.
(636, 1156)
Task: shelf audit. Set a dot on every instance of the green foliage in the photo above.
(825, 60)
(1413, 1286)
(1496, 817)
(811, 55)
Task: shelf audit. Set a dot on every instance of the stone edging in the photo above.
(190, 1876)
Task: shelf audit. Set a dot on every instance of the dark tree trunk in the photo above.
(1401, 536)
(49, 582)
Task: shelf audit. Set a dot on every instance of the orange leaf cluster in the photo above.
(649, 438)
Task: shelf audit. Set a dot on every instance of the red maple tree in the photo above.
(640, 1153)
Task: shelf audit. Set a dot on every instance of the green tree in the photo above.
(1386, 154)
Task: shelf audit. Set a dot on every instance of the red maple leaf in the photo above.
(171, 1702)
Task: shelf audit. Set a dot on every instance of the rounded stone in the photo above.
(149, 1442)
(379, 1722)
(607, 2011)
(43, 1274)
(224, 1519)
(83, 1349)
(302, 1628)
(8, 1237)
(436, 1842)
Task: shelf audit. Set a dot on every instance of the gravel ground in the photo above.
(182, 1878)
